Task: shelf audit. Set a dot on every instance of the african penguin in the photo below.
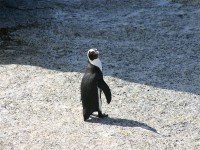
(91, 86)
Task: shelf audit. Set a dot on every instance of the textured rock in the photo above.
(150, 55)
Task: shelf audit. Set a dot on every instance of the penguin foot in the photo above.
(86, 117)
(102, 115)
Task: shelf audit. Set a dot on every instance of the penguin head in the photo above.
(93, 54)
(93, 57)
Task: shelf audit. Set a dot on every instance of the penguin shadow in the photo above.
(121, 122)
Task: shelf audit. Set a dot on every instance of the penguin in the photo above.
(91, 86)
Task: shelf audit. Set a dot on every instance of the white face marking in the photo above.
(93, 50)
(95, 62)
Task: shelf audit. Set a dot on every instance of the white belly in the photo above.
(99, 98)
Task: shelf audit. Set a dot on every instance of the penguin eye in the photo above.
(92, 52)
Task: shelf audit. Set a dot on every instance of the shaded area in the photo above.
(157, 46)
(122, 123)
(189, 2)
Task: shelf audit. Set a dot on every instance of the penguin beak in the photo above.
(97, 52)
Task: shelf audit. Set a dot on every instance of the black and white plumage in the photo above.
(91, 86)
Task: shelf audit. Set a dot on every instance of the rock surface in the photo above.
(150, 51)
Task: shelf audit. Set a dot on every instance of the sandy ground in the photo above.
(150, 52)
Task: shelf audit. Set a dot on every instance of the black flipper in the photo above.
(103, 86)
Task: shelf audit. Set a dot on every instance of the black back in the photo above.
(91, 81)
